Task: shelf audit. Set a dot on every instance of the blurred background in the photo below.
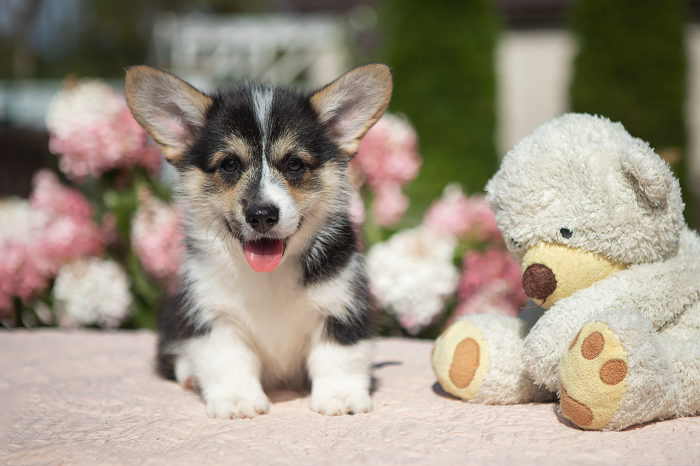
(471, 78)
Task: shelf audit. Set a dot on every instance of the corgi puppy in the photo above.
(273, 291)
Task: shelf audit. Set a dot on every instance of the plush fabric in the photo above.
(498, 341)
(588, 175)
(595, 217)
(93, 398)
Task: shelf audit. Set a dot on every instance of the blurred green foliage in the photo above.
(631, 68)
(442, 54)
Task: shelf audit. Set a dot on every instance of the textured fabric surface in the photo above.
(92, 398)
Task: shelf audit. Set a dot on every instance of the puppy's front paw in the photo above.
(334, 401)
(238, 404)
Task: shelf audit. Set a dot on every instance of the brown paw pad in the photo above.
(613, 372)
(577, 412)
(592, 375)
(460, 359)
(465, 362)
(592, 346)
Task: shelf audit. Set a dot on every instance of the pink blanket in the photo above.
(92, 398)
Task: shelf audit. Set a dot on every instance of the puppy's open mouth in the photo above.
(264, 255)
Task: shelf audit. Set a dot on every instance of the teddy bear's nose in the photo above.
(539, 281)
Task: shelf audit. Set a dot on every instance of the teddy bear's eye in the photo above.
(566, 233)
(515, 243)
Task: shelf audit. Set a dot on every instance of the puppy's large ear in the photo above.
(170, 110)
(351, 104)
(650, 177)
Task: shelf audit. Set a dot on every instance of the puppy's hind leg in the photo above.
(175, 329)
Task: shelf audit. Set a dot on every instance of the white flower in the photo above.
(92, 291)
(412, 274)
(92, 131)
(17, 219)
(82, 102)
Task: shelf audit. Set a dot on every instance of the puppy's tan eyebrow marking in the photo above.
(235, 146)
(286, 145)
(280, 146)
(302, 154)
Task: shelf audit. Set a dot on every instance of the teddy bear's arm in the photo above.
(619, 370)
(548, 338)
(659, 291)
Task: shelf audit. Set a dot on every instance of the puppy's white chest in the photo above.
(270, 311)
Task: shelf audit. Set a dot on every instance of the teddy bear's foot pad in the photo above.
(460, 359)
(592, 374)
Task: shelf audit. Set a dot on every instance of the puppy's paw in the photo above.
(239, 404)
(336, 401)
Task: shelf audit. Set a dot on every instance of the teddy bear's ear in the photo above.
(650, 177)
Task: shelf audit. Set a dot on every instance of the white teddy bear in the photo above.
(595, 217)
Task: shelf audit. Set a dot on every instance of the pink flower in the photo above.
(109, 228)
(20, 275)
(157, 238)
(389, 152)
(51, 196)
(490, 282)
(389, 204)
(54, 228)
(357, 210)
(386, 160)
(69, 231)
(462, 216)
(93, 131)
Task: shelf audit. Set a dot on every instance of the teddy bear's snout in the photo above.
(539, 281)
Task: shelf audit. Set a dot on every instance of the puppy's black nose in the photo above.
(539, 281)
(262, 217)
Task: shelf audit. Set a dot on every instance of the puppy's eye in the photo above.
(229, 165)
(294, 164)
(566, 233)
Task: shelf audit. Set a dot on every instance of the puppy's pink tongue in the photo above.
(264, 255)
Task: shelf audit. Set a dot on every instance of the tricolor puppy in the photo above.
(273, 291)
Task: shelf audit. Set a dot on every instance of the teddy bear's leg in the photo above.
(479, 359)
(618, 371)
